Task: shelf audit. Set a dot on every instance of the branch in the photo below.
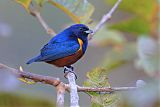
(105, 18)
(105, 89)
(35, 77)
(74, 98)
(62, 87)
(37, 14)
(58, 84)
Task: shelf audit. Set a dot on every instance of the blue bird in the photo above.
(65, 48)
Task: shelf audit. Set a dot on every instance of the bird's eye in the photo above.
(80, 28)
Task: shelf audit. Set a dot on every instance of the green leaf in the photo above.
(143, 16)
(98, 78)
(24, 3)
(79, 10)
(133, 25)
(104, 100)
(40, 2)
(30, 82)
(141, 8)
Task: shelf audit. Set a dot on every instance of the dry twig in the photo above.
(34, 12)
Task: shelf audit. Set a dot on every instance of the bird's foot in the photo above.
(68, 69)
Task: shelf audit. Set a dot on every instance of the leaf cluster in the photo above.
(78, 10)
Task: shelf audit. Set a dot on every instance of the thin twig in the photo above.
(37, 14)
(105, 89)
(105, 18)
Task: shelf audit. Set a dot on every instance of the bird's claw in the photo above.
(69, 69)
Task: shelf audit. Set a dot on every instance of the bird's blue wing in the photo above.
(58, 50)
(62, 45)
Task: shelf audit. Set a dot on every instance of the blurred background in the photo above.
(126, 47)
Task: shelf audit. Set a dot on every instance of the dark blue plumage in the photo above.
(66, 47)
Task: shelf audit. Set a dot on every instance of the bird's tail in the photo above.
(36, 59)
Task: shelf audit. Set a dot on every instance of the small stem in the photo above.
(105, 89)
(74, 98)
(42, 22)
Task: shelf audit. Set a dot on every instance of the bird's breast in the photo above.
(71, 59)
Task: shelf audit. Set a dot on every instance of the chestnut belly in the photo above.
(68, 60)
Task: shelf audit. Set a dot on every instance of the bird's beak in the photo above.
(89, 31)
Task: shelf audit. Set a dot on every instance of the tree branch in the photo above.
(37, 14)
(57, 83)
(35, 77)
(74, 98)
(105, 18)
(104, 89)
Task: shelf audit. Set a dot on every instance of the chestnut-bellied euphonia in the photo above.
(65, 48)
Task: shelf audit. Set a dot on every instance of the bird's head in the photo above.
(81, 31)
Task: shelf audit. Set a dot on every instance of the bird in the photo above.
(66, 48)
